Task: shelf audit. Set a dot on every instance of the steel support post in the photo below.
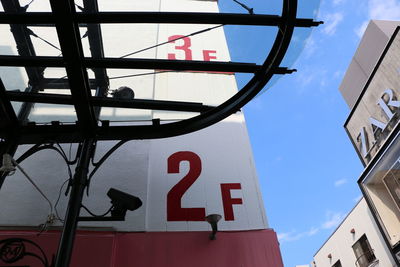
(8, 146)
(79, 183)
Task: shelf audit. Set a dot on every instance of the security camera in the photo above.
(123, 92)
(122, 202)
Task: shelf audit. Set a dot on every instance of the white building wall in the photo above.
(140, 167)
(339, 245)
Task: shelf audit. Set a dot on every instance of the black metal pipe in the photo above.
(8, 118)
(72, 50)
(9, 146)
(167, 64)
(97, 50)
(134, 63)
(111, 102)
(157, 17)
(61, 83)
(25, 48)
(79, 182)
(9, 122)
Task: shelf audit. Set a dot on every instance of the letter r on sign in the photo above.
(228, 201)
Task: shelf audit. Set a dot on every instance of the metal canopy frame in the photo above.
(67, 22)
(15, 129)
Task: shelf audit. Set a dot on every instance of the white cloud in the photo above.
(337, 2)
(360, 30)
(313, 231)
(294, 236)
(378, 9)
(310, 47)
(338, 74)
(333, 219)
(289, 236)
(331, 23)
(388, 9)
(340, 182)
(305, 78)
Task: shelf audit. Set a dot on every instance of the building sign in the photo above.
(377, 110)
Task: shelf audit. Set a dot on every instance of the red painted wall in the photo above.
(151, 249)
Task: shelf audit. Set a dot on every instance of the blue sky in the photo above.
(306, 164)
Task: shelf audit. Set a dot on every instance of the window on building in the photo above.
(392, 182)
(364, 254)
(337, 264)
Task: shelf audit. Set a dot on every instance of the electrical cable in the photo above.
(101, 161)
(33, 183)
(143, 74)
(249, 9)
(64, 155)
(30, 32)
(95, 215)
(80, 8)
(58, 200)
(173, 40)
(69, 152)
(25, 7)
(38, 147)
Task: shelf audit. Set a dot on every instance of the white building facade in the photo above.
(180, 180)
(356, 242)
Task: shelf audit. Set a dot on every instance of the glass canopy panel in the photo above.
(46, 113)
(301, 37)
(32, 6)
(108, 6)
(124, 40)
(7, 42)
(43, 38)
(157, 5)
(52, 80)
(200, 47)
(271, 7)
(249, 44)
(14, 78)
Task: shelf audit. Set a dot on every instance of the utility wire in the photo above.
(30, 32)
(143, 74)
(95, 215)
(249, 9)
(173, 40)
(58, 200)
(33, 183)
(25, 7)
(80, 8)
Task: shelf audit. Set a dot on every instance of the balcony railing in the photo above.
(367, 259)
